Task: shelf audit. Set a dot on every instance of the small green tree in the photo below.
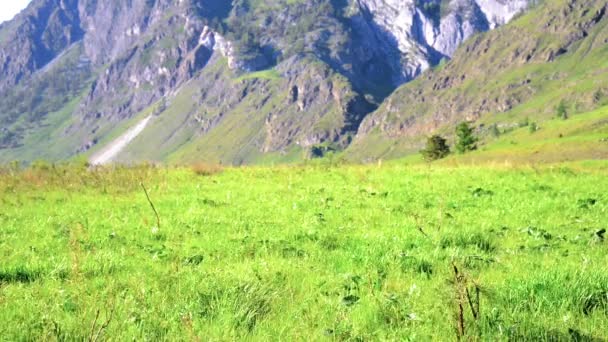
(465, 138)
(436, 148)
(533, 127)
(495, 131)
(561, 110)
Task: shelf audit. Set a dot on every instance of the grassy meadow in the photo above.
(317, 252)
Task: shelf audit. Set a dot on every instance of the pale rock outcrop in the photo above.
(216, 42)
(500, 12)
(423, 39)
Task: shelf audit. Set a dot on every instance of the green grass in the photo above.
(270, 74)
(581, 137)
(303, 253)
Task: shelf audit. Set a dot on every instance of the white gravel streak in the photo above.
(108, 153)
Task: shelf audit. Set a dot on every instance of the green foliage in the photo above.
(270, 74)
(562, 110)
(436, 148)
(322, 150)
(254, 22)
(533, 127)
(465, 138)
(27, 105)
(433, 9)
(495, 131)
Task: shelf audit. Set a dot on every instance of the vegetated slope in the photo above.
(241, 119)
(327, 65)
(35, 114)
(584, 136)
(557, 53)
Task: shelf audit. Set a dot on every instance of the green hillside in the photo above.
(555, 54)
(581, 137)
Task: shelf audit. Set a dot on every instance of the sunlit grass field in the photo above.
(317, 252)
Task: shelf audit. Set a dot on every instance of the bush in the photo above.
(495, 130)
(436, 148)
(466, 140)
(561, 110)
(533, 127)
(320, 151)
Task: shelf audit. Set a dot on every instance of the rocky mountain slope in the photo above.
(495, 80)
(236, 82)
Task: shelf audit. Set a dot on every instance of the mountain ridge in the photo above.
(559, 57)
(306, 72)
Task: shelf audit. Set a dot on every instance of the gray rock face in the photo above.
(35, 38)
(138, 52)
(213, 41)
(500, 12)
(423, 32)
(113, 26)
(411, 35)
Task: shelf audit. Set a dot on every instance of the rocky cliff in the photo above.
(305, 73)
(424, 32)
(516, 74)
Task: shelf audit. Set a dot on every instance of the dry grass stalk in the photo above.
(151, 205)
(463, 298)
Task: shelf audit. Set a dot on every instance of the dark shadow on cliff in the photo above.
(377, 68)
(218, 10)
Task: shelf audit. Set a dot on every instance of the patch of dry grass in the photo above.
(206, 169)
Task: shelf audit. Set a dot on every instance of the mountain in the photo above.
(555, 55)
(252, 81)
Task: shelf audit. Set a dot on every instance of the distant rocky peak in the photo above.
(334, 61)
(500, 12)
(425, 31)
